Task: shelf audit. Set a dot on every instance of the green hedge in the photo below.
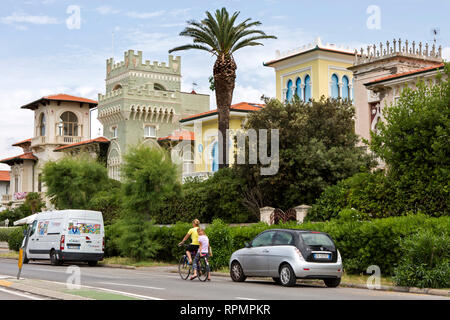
(15, 239)
(361, 243)
(5, 233)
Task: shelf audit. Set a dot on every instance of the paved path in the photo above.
(157, 283)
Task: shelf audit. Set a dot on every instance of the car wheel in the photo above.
(236, 272)
(287, 276)
(332, 283)
(54, 259)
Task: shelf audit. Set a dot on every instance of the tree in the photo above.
(73, 182)
(221, 36)
(149, 177)
(413, 141)
(317, 148)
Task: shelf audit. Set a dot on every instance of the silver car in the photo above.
(287, 255)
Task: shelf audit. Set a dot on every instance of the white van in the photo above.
(66, 235)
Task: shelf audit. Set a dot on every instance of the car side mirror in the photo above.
(247, 245)
(25, 231)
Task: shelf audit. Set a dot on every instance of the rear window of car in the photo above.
(316, 239)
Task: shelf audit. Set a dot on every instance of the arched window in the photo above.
(69, 124)
(334, 86)
(298, 90)
(42, 121)
(158, 86)
(215, 157)
(117, 87)
(289, 92)
(307, 89)
(345, 88)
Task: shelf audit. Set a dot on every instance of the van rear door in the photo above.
(84, 235)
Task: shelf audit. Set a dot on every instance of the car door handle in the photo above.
(265, 251)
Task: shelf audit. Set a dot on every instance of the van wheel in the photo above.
(54, 259)
(236, 272)
(287, 276)
(332, 283)
(92, 263)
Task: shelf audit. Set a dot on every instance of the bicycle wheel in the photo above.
(203, 268)
(184, 269)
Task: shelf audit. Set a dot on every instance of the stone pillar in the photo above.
(301, 211)
(264, 214)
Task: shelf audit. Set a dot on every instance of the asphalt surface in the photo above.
(157, 283)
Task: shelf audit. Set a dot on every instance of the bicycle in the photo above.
(185, 269)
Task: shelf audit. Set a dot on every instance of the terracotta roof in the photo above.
(242, 106)
(85, 142)
(404, 74)
(18, 144)
(25, 156)
(4, 175)
(60, 97)
(179, 135)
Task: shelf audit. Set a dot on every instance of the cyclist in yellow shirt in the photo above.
(193, 233)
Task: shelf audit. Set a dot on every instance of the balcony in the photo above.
(37, 141)
(6, 198)
(67, 139)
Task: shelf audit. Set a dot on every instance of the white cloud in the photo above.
(446, 54)
(145, 15)
(24, 18)
(106, 10)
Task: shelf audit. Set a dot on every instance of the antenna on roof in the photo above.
(435, 32)
(194, 84)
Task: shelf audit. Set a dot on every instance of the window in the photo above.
(334, 86)
(215, 157)
(298, 89)
(42, 125)
(40, 182)
(345, 88)
(307, 89)
(283, 238)
(317, 239)
(117, 87)
(114, 132)
(69, 124)
(264, 239)
(158, 86)
(150, 131)
(289, 91)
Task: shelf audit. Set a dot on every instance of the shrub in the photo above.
(15, 239)
(5, 233)
(221, 243)
(426, 260)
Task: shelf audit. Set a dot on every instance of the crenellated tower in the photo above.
(143, 101)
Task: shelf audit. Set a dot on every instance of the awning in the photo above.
(26, 220)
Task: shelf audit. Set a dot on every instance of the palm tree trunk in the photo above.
(224, 78)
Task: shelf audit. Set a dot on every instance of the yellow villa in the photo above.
(313, 71)
(204, 127)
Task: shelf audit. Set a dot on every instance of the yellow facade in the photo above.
(319, 63)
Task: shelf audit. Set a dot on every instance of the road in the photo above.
(158, 284)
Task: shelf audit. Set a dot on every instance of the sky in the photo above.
(61, 46)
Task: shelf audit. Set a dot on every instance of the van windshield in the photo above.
(317, 239)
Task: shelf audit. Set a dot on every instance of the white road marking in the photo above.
(20, 294)
(132, 285)
(113, 291)
(243, 298)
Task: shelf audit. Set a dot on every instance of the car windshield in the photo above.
(316, 239)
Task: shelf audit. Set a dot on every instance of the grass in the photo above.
(362, 279)
(97, 295)
(132, 262)
(10, 254)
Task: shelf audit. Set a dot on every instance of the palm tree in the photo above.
(221, 36)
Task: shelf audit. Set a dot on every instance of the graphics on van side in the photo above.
(82, 228)
(42, 227)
